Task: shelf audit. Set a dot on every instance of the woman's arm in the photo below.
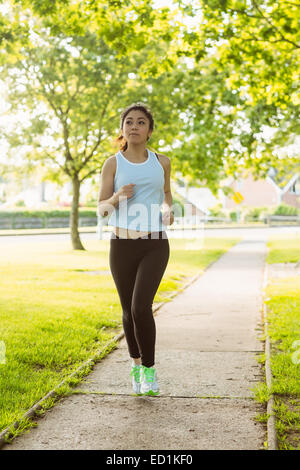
(107, 199)
(168, 214)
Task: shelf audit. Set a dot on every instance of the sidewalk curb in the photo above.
(8, 432)
(272, 443)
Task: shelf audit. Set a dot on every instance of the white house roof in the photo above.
(291, 182)
(202, 198)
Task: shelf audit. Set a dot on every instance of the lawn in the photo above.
(58, 307)
(283, 250)
(283, 314)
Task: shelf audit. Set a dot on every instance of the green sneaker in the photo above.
(136, 378)
(149, 385)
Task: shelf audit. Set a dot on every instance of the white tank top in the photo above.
(141, 212)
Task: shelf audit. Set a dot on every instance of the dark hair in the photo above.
(135, 106)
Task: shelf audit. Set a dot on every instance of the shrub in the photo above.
(217, 212)
(284, 209)
(255, 214)
(178, 205)
(20, 204)
(46, 213)
(233, 216)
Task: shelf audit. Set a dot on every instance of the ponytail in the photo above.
(122, 142)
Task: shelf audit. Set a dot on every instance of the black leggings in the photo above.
(137, 267)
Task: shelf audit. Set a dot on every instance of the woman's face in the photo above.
(136, 127)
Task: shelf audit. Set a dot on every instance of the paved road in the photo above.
(207, 343)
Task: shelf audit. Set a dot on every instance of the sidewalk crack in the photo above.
(206, 397)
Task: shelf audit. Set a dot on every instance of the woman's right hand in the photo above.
(125, 192)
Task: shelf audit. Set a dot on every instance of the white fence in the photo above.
(283, 220)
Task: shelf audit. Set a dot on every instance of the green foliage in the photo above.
(43, 7)
(261, 393)
(261, 40)
(233, 215)
(257, 43)
(216, 211)
(178, 206)
(288, 423)
(45, 213)
(207, 124)
(73, 80)
(284, 209)
(69, 76)
(213, 87)
(20, 204)
(255, 213)
(13, 33)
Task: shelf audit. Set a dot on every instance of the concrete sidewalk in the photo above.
(207, 342)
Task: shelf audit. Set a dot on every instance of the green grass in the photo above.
(283, 315)
(284, 331)
(56, 312)
(283, 250)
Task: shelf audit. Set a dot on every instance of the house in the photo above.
(264, 192)
(268, 191)
(199, 199)
(291, 192)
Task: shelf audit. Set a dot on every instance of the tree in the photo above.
(12, 33)
(73, 74)
(73, 88)
(257, 42)
(260, 39)
(205, 138)
(86, 60)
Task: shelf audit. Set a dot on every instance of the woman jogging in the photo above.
(135, 185)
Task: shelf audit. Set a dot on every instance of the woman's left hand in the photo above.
(168, 217)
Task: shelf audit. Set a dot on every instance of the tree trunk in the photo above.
(76, 242)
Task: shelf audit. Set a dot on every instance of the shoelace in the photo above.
(135, 372)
